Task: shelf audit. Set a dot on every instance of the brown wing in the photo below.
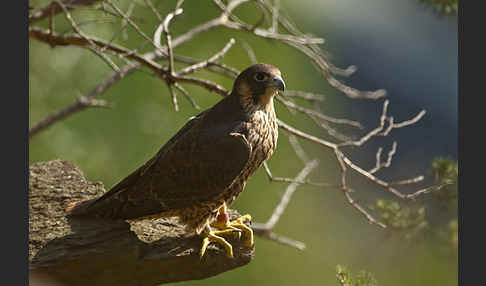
(196, 165)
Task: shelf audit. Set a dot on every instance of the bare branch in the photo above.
(275, 13)
(410, 121)
(205, 64)
(250, 52)
(321, 116)
(304, 135)
(53, 8)
(80, 105)
(346, 191)
(298, 149)
(130, 21)
(260, 230)
(173, 96)
(379, 164)
(168, 38)
(381, 130)
(265, 229)
(187, 96)
(289, 180)
(154, 10)
(216, 67)
(93, 47)
(288, 194)
(304, 95)
(105, 58)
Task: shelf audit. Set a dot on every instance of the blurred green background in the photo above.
(107, 144)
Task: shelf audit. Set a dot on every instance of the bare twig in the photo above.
(298, 149)
(321, 116)
(265, 229)
(326, 126)
(289, 180)
(79, 105)
(249, 51)
(379, 164)
(168, 38)
(201, 65)
(187, 96)
(381, 130)
(275, 13)
(288, 194)
(154, 10)
(304, 95)
(51, 9)
(130, 21)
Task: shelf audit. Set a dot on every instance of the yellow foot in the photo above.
(222, 223)
(224, 227)
(213, 236)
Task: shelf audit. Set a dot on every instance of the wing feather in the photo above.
(195, 165)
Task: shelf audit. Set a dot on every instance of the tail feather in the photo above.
(110, 206)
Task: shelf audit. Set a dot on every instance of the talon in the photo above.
(248, 233)
(210, 236)
(238, 225)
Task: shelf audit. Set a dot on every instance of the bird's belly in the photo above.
(263, 146)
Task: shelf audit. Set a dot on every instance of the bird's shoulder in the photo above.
(220, 123)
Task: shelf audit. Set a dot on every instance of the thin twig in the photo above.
(304, 95)
(130, 22)
(298, 149)
(321, 116)
(379, 164)
(280, 208)
(249, 51)
(78, 106)
(289, 180)
(265, 229)
(381, 130)
(187, 96)
(204, 64)
(275, 13)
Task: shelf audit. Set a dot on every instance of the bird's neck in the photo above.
(250, 106)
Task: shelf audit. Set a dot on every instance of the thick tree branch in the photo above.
(90, 252)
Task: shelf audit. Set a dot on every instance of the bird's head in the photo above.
(257, 85)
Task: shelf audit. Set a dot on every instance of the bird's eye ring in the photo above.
(260, 76)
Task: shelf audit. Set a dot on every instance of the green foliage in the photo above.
(363, 278)
(408, 221)
(445, 172)
(443, 7)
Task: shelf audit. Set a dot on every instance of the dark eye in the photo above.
(260, 76)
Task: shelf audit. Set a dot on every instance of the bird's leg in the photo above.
(225, 225)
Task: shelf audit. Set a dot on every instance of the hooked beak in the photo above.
(277, 83)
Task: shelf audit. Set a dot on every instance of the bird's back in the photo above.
(196, 165)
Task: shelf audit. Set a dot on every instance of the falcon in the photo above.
(204, 166)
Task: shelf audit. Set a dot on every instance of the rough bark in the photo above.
(106, 252)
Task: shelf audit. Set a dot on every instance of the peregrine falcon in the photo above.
(204, 166)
